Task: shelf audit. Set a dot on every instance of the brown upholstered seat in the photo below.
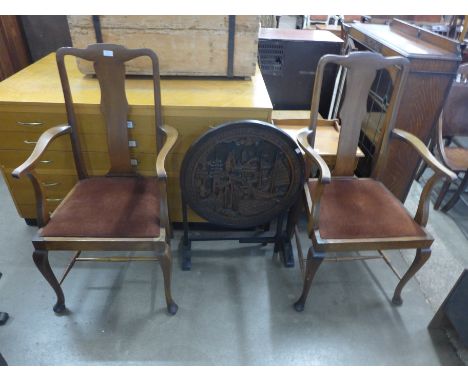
(457, 158)
(108, 207)
(355, 208)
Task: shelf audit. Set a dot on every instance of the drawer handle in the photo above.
(54, 199)
(46, 161)
(132, 143)
(50, 184)
(29, 123)
(130, 124)
(134, 162)
(30, 142)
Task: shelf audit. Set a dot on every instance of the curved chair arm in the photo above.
(324, 177)
(440, 171)
(303, 141)
(171, 139)
(44, 140)
(28, 168)
(424, 152)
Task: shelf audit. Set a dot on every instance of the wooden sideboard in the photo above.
(31, 101)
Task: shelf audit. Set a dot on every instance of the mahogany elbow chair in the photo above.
(121, 211)
(346, 213)
(454, 123)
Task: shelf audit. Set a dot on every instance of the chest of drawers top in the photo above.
(39, 84)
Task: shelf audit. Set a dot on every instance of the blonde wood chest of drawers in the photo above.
(31, 101)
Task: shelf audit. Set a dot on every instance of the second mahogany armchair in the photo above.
(122, 211)
(346, 213)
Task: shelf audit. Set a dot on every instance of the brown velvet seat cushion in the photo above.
(362, 208)
(108, 207)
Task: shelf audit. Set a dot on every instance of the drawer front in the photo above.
(55, 187)
(136, 124)
(27, 140)
(24, 121)
(97, 163)
(50, 160)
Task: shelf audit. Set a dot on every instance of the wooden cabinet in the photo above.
(31, 101)
(433, 65)
(14, 54)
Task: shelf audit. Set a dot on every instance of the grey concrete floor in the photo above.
(235, 309)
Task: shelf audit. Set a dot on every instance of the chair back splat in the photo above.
(361, 71)
(109, 64)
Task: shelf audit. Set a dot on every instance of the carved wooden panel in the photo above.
(242, 174)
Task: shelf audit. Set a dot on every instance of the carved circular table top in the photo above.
(242, 174)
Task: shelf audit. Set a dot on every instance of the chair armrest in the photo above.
(313, 201)
(424, 152)
(171, 139)
(422, 213)
(28, 168)
(44, 140)
(302, 140)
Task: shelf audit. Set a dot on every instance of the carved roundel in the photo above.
(242, 174)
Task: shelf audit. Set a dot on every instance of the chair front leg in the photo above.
(314, 259)
(166, 267)
(422, 255)
(41, 259)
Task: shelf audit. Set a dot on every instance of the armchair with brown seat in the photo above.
(346, 213)
(122, 211)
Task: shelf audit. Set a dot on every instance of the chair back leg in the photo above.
(442, 193)
(454, 199)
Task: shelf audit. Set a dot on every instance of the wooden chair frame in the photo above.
(361, 69)
(109, 62)
(440, 143)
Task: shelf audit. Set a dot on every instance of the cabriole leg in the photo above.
(166, 266)
(41, 259)
(422, 255)
(314, 260)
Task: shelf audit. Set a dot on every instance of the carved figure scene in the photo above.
(242, 177)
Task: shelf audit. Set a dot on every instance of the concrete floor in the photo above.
(235, 309)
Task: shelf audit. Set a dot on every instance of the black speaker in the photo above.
(288, 61)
